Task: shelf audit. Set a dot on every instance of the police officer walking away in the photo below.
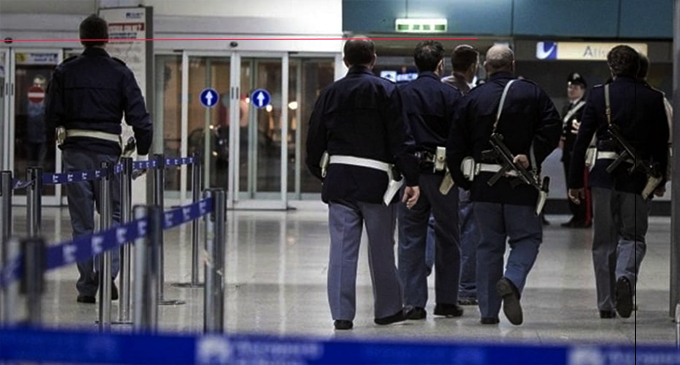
(626, 114)
(88, 96)
(359, 121)
(430, 106)
(505, 207)
(465, 60)
(571, 119)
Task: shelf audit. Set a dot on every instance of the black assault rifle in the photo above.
(628, 154)
(528, 177)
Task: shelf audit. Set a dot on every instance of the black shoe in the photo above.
(343, 324)
(490, 320)
(89, 299)
(114, 291)
(416, 313)
(607, 314)
(545, 221)
(511, 307)
(468, 301)
(449, 310)
(396, 317)
(624, 297)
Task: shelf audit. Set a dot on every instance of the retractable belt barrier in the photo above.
(52, 346)
(84, 247)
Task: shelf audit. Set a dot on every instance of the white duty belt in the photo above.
(93, 134)
(392, 185)
(470, 169)
(610, 155)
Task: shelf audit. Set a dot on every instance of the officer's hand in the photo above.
(660, 191)
(411, 195)
(574, 126)
(577, 194)
(521, 160)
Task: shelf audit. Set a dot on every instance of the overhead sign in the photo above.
(209, 97)
(415, 25)
(581, 51)
(36, 94)
(260, 98)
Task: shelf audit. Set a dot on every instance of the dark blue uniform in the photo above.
(620, 212)
(573, 111)
(92, 92)
(360, 115)
(529, 119)
(430, 105)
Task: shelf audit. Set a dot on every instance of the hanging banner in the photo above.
(581, 51)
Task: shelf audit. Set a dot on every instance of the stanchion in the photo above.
(677, 325)
(105, 220)
(146, 270)
(5, 205)
(33, 284)
(10, 252)
(158, 197)
(125, 250)
(196, 182)
(215, 246)
(34, 201)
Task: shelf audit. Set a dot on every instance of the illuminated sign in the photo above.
(581, 51)
(409, 25)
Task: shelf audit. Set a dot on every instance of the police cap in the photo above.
(575, 78)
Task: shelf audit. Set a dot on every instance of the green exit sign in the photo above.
(409, 25)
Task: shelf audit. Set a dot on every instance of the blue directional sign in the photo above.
(260, 98)
(209, 97)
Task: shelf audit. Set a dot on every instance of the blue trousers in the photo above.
(346, 220)
(83, 197)
(468, 243)
(497, 224)
(413, 226)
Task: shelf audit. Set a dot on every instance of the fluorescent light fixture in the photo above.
(415, 25)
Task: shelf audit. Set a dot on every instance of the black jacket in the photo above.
(529, 118)
(638, 110)
(567, 135)
(93, 91)
(360, 115)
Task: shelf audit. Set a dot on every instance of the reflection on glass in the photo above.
(169, 112)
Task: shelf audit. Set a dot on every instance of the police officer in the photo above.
(571, 118)
(430, 106)
(530, 125)
(360, 122)
(465, 60)
(88, 96)
(629, 104)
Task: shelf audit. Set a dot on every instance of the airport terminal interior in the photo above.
(263, 63)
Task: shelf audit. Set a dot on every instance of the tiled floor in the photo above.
(276, 284)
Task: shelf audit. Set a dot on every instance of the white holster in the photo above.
(393, 185)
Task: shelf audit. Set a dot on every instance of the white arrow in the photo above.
(260, 98)
(209, 98)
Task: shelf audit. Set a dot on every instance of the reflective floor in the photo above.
(276, 284)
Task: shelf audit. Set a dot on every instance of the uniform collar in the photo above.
(428, 74)
(359, 70)
(95, 51)
(501, 75)
(628, 79)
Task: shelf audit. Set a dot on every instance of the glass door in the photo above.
(261, 142)
(4, 108)
(30, 143)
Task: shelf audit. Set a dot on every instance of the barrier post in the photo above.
(5, 205)
(215, 246)
(33, 284)
(34, 201)
(10, 252)
(125, 250)
(196, 177)
(146, 271)
(105, 210)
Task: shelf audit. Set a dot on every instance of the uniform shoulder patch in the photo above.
(119, 61)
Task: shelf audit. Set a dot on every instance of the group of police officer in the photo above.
(367, 137)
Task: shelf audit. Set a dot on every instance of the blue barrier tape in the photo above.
(75, 347)
(83, 248)
(18, 184)
(144, 165)
(179, 161)
(71, 177)
(118, 168)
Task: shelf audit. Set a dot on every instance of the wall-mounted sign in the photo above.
(580, 51)
(414, 25)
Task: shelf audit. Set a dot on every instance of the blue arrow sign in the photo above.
(209, 97)
(260, 98)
